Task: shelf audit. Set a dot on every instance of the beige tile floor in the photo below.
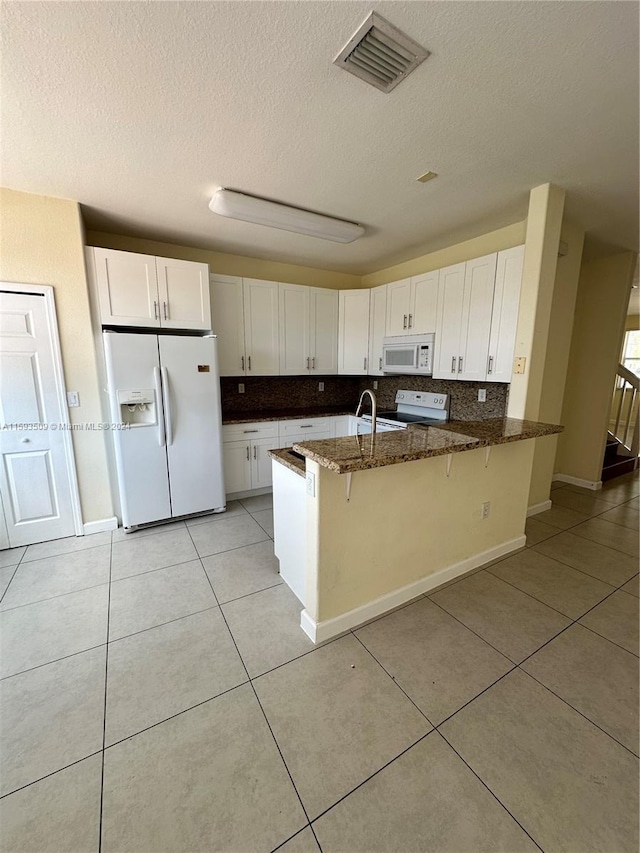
(157, 694)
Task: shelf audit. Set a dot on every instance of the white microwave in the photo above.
(408, 354)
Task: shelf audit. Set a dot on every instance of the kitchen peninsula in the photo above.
(366, 523)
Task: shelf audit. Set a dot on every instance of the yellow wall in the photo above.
(41, 242)
(226, 264)
(557, 358)
(408, 521)
(601, 306)
(494, 241)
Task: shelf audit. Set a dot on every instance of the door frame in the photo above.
(47, 291)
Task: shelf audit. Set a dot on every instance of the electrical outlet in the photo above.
(486, 509)
(240, 387)
(320, 386)
(519, 364)
(73, 399)
(375, 384)
(311, 484)
(482, 395)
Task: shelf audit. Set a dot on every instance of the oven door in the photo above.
(400, 358)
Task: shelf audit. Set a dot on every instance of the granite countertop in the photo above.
(285, 414)
(286, 456)
(359, 453)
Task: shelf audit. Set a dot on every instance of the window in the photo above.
(631, 351)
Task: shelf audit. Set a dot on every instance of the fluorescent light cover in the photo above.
(250, 208)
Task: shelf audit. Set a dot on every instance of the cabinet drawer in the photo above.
(303, 426)
(260, 429)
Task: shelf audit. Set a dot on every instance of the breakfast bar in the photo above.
(365, 523)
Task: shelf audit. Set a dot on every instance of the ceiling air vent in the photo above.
(380, 54)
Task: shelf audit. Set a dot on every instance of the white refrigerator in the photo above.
(164, 395)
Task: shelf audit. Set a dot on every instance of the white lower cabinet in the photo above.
(245, 450)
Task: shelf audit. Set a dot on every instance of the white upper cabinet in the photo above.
(412, 305)
(504, 319)
(323, 330)
(141, 290)
(353, 332)
(295, 348)
(479, 283)
(448, 322)
(308, 330)
(424, 303)
(398, 307)
(377, 328)
(262, 343)
(227, 317)
(127, 288)
(183, 294)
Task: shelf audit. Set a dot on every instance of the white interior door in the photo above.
(34, 469)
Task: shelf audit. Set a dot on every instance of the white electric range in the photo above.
(414, 407)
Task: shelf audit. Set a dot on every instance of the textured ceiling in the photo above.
(141, 110)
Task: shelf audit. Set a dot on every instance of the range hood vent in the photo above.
(380, 54)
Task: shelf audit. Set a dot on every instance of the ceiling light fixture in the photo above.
(261, 211)
(428, 176)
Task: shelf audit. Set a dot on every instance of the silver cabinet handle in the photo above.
(255, 451)
(410, 320)
(246, 431)
(490, 368)
(365, 363)
(306, 426)
(453, 364)
(380, 363)
(248, 457)
(313, 362)
(404, 322)
(155, 310)
(308, 360)
(249, 362)
(164, 308)
(460, 364)
(242, 362)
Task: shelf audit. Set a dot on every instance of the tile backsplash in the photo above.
(464, 405)
(301, 392)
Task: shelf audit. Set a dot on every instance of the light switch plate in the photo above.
(482, 395)
(240, 387)
(320, 386)
(519, 364)
(73, 399)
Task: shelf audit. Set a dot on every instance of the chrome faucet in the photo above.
(374, 408)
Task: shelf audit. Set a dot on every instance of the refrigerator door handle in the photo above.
(161, 433)
(166, 402)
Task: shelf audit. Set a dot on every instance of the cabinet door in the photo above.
(398, 307)
(261, 461)
(353, 332)
(127, 288)
(504, 318)
(377, 327)
(237, 466)
(295, 349)
(183, 290)
(448, 322)
(479, 282)
(424, 303)
(323, 326)
(227, 317)
(262, 343)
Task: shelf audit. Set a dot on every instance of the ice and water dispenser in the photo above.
(138, 408)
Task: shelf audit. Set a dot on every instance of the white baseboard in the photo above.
(538, 508)
(576, 481)
(329, 628)
(99, 526)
